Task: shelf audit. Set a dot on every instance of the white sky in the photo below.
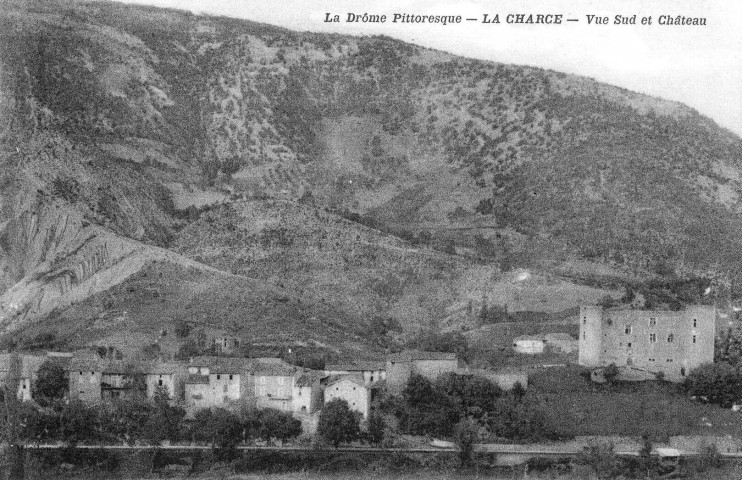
(699, 66)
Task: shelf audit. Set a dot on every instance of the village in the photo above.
(639, 345)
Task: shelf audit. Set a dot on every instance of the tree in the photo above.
(610, 372)
(277, 424)
(182, 328)
(51, 382)
(78, 422)
(719, 383)
(465, 433)
(602, 459)
(728, 346)
(428, 410)
(338, 423)
(218, 426)
(418, 391)
(472, 392)
(375, 428)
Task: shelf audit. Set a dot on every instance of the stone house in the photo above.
(371, 371)
(20, 369)
(307, 393)
(400, 366)
(168, 376)
(353, 389)
(93, 379)
(215, 381)
(561, 342)
(529, 344)
(273, 384)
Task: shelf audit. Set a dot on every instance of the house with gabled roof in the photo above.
(273, 384)
(400, 366)
(216, 381)
(307, 393)
(372, 371)
(353, 389)
(93, 379)
(169, 377)
(20, 369)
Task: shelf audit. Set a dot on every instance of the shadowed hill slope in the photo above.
(123, 126)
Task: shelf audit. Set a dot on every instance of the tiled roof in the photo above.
(360, 366)
(275, 369)
(558, 337)
(166, 368)
(223, 364)
(309, 378)
(197, 379)
(411, 355)
(90, 361)
(539, 338)
(351, 377)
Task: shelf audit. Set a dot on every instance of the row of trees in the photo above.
(149, 422)
(439, 408)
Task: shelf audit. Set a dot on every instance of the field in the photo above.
(575, 406)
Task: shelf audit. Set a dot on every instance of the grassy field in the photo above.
(575, 406)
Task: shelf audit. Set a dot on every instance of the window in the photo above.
(694, 339)
(695, 323)
(652, 322)
(627, 330)
(628, 344)
(159, 382)
(652, 338)
(669, 360)
(230, 377)
(262, 380)
(583, 335)
(670, 338)
(218, 377)
(584, 320)
(651, 359)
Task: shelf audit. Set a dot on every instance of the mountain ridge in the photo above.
(157, 130)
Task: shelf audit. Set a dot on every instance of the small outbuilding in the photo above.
(529, 344)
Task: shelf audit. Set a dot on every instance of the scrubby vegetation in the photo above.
(436, 408)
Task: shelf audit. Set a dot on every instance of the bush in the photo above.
(601, 459)
(338, 424)
(465, 433)
(719, 383)
(376, 428)
(610, 372)
(274, 423)
(51, 382)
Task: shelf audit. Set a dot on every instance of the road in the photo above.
(502, 449)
